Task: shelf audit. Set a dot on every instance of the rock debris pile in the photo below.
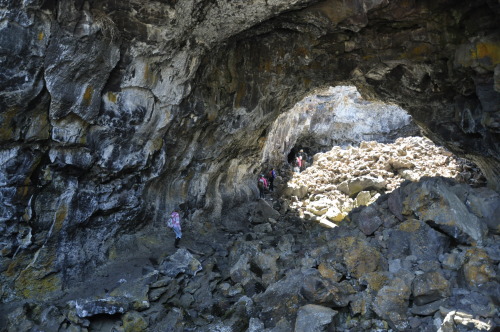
(422, 257)
(344, 178)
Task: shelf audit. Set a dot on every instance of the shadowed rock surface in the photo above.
(113, 113)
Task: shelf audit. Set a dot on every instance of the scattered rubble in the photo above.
(424, 255)
(345, 178)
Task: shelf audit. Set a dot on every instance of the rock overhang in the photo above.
(157, 85)
(151, 105)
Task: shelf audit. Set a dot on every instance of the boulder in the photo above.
(430, 287)
(355, 185)
(240, 272)
(266, 261)
(485, 204)
(282, 299)
(454, 318)
(263, 211)
(391, 303)
(478, 267)
(398, 163)
(319, 207)
(428, 309)
(108, 305)
(255, 325)
(374, 281)
(415, 238)
(453, 260)
(313, 318)
(263, 228)
(174, 321)
(335, 214)
(134, 321)
(368, 220)
(363, 198)
(298, 190)
(182, 261)
(434, 201)
(359, 256)
(328, 271)
(395, 202)
(320, 290)
(237, 319)
(136, 291)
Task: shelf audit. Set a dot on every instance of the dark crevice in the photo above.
(454, 242)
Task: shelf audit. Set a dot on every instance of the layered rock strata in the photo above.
(112, 113)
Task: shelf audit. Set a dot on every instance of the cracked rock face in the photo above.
(112, 113)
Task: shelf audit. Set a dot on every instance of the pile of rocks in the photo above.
(422, 257)
(425, 257)
(344, 178)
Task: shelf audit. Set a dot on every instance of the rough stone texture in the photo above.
(134, 321)
(392, 301)
(336, 116)
(339, 180)
(369, 221)
(477, 268)
(113, 113)
(430, 287)
(182, 261)
(443, 210)
(415, 238)
(313, 317)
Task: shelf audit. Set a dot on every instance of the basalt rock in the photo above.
(313, 318)
(113, 113)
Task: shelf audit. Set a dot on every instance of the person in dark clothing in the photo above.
(272, 176)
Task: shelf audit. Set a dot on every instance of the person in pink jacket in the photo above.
(262, 185)
(174, 222)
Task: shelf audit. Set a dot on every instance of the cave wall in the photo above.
(112, 113)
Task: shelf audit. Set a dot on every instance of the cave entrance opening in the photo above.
(335, 116)
(355, 151)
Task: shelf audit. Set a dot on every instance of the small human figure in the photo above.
(262, 185)
(298, 164)
(174, 222)
(303, 158)
(301, 153)
(272, 176)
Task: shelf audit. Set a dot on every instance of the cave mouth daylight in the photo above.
(353, 151)
(334, 116)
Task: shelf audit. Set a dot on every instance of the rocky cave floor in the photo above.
(418, 255)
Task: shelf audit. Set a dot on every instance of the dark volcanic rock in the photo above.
(180, 262)
(437, 204)
(114, 113)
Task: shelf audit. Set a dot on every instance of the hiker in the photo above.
(298, 164)
(272, 176)
(174, 222)
(303, 157)
(262, 184)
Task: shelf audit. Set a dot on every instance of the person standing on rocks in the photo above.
(174, 222)
(303, 156)
(298, 164)
(262, 185)
(272, 176)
